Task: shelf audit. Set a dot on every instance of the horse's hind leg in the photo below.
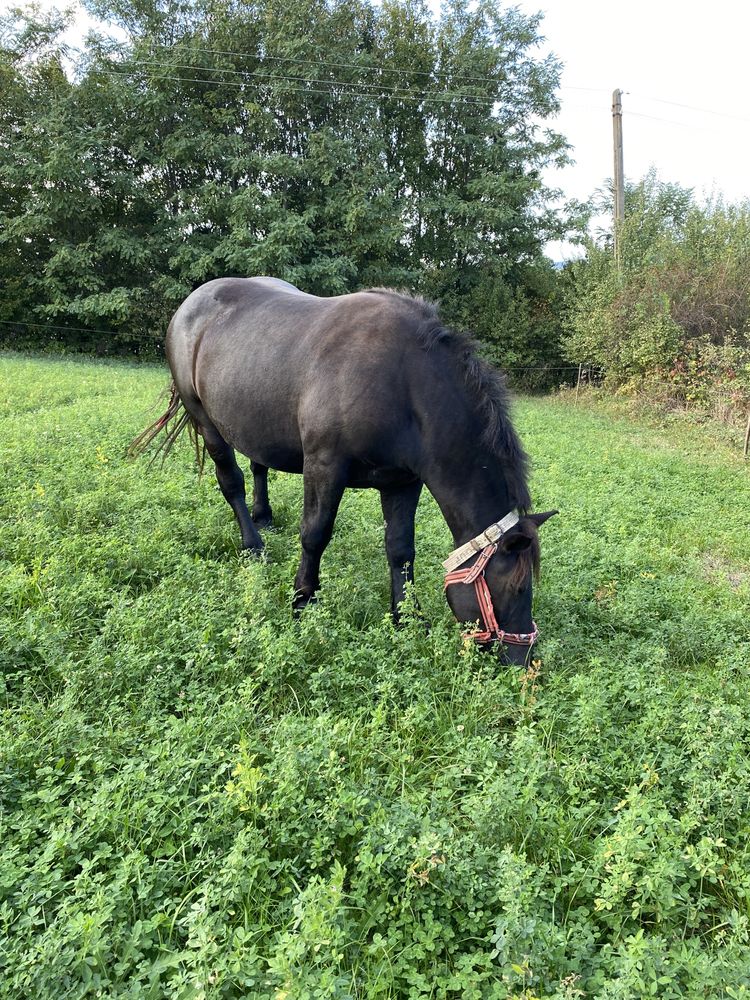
(399, 509)
(262, 514)
(232, 484)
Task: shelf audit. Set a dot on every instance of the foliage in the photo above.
(675, 317)
(202, 798)
(211, 139)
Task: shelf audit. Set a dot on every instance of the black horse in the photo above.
(361, 390)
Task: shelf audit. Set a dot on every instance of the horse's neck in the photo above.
(472, 493)
(466, 477)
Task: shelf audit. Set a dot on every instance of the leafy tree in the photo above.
(330, 142)
(675, 315)
(31, 75)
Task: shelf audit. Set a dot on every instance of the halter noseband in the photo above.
(486, 545)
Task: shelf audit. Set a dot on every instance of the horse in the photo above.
(363, 390)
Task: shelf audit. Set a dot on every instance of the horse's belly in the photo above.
(379, 477)
(282, 455)
(281, 459)
(255, 425)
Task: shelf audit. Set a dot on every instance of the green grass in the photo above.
(201, 798)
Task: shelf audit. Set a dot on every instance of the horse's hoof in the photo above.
(251, 554)
(300, 603)
(263, 521)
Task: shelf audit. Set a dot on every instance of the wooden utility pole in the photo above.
(619, 174)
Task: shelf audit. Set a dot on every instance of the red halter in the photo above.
(492, 631)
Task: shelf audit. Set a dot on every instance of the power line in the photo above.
(691, 107)
(337, 65)
(639, 114)
(671, 121)
(654, 118)
(444, 97)
(598, 108)
(52, 326)
(447, 98)
(590, 90)
(360, 67)
(404, 72)
(460, 77)
(266, 77)
(411, 73)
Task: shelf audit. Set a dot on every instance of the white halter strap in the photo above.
(488, 537)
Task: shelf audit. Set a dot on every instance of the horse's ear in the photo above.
(539, 519)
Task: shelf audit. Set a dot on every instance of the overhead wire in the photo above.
(360, 67)
(335, 65)
(441, 98)
(53, 326)
(384, 88)
(261, 58)
(692, 107)
(364, 67)
(353, 87)
(364, 89)
(629, 113)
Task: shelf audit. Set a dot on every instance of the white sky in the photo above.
(683, 69)
(661, 54)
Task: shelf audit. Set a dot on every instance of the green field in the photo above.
(202, 798)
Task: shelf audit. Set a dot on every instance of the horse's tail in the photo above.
(172, 423)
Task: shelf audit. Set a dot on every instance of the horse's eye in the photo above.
(516, 544)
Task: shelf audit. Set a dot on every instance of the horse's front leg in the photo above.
(324, 483)
(399, 509)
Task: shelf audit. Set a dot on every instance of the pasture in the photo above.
(201, 798)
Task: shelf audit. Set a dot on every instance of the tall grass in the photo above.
(203, 798)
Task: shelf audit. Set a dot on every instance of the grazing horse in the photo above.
(360, 390)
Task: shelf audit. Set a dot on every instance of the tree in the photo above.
(334, 143)
(675, 316)
(31, 75)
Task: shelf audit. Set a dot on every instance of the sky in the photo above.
(682, 69)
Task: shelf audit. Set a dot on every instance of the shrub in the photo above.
(674, 318)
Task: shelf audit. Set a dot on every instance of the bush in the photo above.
(675, 317)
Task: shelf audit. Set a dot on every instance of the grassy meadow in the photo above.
(200, 798)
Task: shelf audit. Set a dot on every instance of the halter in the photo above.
(475, 574)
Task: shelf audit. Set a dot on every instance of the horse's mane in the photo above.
(487, 388)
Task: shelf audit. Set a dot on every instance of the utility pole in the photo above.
(619, 175)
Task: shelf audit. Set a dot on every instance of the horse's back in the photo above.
(279, 371)
(246, 323)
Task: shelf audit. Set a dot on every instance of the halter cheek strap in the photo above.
(491, 631)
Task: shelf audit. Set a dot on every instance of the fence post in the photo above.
(578, 383)
(747, 437)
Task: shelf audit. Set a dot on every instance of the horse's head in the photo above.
(494, 588)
